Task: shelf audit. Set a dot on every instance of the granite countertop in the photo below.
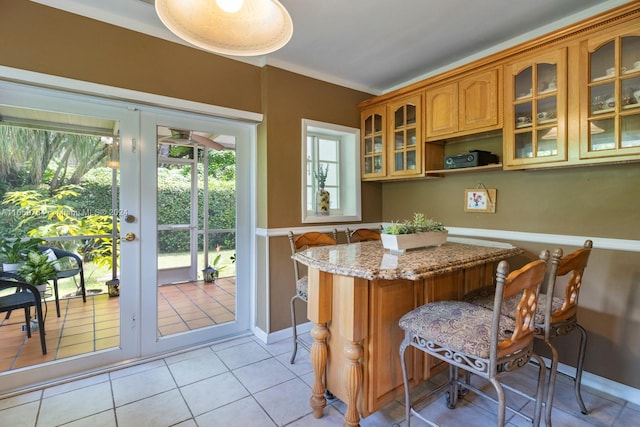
(369, 260)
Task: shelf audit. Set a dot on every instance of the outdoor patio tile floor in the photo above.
(94, 325)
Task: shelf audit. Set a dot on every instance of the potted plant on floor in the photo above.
(415, 233)
(13, 251)
(37, 270)
(211, 273)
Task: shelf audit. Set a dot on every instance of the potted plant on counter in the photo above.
(415, 233)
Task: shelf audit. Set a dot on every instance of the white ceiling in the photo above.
(379, 45)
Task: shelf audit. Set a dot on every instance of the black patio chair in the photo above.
(24, 296)
(65, 271)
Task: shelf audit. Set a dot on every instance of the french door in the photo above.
(131, 134)
(110, 131)
(187, 228)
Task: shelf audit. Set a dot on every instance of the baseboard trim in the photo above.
(282, 334)
(604, 385)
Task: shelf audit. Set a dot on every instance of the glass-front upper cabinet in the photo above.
(535, 111)
(611, 101)
(373, 130)
(405, 136)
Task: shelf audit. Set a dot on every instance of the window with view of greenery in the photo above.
(336, 149)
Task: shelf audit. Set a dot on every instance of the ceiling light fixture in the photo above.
(228, 27)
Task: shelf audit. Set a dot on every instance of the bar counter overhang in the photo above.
(357, 294)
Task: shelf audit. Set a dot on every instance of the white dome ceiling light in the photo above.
(228, 27)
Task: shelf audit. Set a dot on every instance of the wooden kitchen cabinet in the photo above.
(535, 128)
(392, 139)
(405, 137)
(468, 105)
(373, 145)
(549, 115)
(610, 97)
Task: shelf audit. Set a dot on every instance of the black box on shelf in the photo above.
(470, 159)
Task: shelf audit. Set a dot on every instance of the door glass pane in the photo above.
(546, 110)
(196, 230)
(399, 163)
(547, 142)
(547, 78)
(523, 115)
(399, 140)
(368, 146)
(368, 125)
(524, 145)
(377, 145)
(630, 131)
(411, 137)
(603, 62)
(630, 54)
(411, 160)
(523, 83)
(368, 168)
(377, 127)
(411, 114)
(631, 93)
(59, 183)
(601, 135)
(377, 164)
(399, 117)
(603, 98)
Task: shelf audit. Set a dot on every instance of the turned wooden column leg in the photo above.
(319, 332)
(353, 380)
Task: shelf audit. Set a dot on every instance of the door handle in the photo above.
(130, 237)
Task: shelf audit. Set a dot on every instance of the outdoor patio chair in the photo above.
(24, 296)
(65, 270)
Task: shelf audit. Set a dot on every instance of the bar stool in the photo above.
(561, 314)
(302, 242)
(361, 235)
(480, 341)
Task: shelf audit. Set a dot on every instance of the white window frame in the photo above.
(348, 173)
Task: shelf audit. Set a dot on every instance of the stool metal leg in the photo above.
(579, 367)
(293, 327)
(553, 373)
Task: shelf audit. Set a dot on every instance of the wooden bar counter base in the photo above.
(357, 294)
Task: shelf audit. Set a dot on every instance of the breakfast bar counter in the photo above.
(357, 294)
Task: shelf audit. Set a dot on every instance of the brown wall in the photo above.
(43, 39)
(289, 98)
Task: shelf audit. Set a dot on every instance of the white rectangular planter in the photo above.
(402, 242)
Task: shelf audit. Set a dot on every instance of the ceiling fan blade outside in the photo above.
(201, 140)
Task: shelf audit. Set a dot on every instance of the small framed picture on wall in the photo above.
(482, 200)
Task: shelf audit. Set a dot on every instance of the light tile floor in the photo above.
(245, 383)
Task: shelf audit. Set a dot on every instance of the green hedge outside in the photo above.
(173, 207)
